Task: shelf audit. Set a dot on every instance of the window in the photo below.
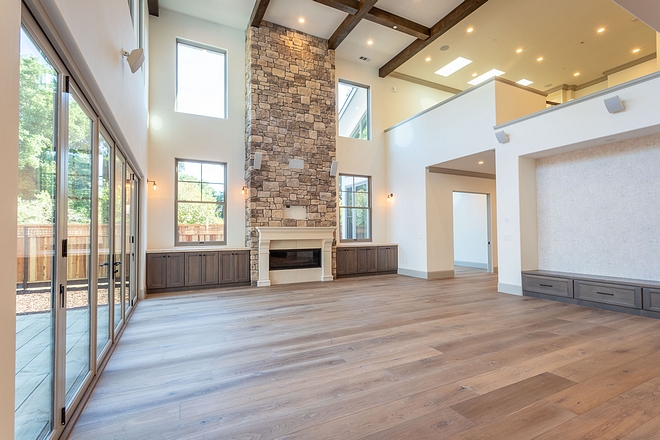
(353, 106)
(200, 202)
(200, 80)
(354, 208)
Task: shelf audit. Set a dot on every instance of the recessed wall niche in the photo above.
(598, 210)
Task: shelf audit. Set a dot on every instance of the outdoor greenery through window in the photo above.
(355, 207)
(353, 106)
(200, 205)
(200, 80)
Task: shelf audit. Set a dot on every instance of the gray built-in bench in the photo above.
(637, 297)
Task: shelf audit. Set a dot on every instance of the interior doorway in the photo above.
(472, 234)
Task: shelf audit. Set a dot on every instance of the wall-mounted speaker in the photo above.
(333, 168)
(297, 164)
(257, 161)
(502, 137)
(614, 104)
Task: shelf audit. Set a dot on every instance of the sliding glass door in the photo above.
(76, 242)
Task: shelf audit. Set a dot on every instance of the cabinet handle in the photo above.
(605, 293)
(545, 285)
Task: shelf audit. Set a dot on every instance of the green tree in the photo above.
(191, 211)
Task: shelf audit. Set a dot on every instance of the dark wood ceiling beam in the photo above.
(349, 24)
(153, 8)
(399, 23)
(258, 12)
(445, 24)
(381, 17)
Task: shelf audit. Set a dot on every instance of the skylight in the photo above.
(486, 76)
(453, 67)
(524, 82)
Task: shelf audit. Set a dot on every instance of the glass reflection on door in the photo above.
(104, 216)
(36, 243)
(79, 214)
(118, 254)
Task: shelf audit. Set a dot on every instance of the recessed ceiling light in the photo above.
(428, 58)
(370, 42)
(576, 74)
(470, 29)
(481, 162)
(474, 75)
(539, 59)
(454, 66)
(636, 50)
(601, 30)
(486, 76)
(395, 27)
(301, 20)
(519, 50)
(525, 82)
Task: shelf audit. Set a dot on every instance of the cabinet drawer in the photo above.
(548, 285)
(652, 299)
(626, 296)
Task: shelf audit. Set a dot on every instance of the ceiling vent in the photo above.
(364, 58)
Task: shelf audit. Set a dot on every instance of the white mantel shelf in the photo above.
(295, 238)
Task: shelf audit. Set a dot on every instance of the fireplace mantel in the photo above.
(295, 238)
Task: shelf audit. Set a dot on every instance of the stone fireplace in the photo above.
(291, 127)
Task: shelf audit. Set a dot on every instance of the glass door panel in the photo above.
(79, 214)
(118, 255)
(36, 242)
(131, 236)
(103, 299)
(128, 261)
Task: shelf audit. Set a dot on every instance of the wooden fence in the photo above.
(196, 233)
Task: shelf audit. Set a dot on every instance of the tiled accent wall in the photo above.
(291, 114)
(598, 210)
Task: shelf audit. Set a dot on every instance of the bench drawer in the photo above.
(626, 296)
(548, 285)
(652, 299)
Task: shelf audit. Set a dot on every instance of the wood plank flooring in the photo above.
(386, 357)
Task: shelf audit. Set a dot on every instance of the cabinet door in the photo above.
(226, 269)
(346, 261)
(367, 260)
(156, 271)
(193, 272)
(210, 268)
(242, 267)
(175, 270)
(387, 259)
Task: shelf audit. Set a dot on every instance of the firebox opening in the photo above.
(294, 259)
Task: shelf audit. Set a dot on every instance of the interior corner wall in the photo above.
(513, 101)
(194, 137)
(440, 220)
(10, 22)
(598, 210)
(633, 72)
(388, 107)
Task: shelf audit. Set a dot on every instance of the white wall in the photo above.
(10, 21)
(188, 136)
(597, 210)
(470, 230)
(388, 108)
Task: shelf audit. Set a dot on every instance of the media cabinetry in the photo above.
(189, 269)
(637, 297)
(353, 260)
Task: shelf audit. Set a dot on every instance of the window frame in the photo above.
(369, 209)
(365, 117)
(176, 204)
(197, 45)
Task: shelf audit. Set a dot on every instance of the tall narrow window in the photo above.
(200, 205)
(355, 208)
(353, 110)
(200, 80)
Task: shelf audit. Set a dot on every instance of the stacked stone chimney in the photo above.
(291, 114)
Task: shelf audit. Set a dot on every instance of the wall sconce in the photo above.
(134, 59)
(155, 187)
(244, 190)
(390, 198)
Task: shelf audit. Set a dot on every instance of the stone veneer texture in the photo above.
(290, 115)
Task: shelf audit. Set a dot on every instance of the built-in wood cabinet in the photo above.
(196, 270)
(639, 297)
(366, 260)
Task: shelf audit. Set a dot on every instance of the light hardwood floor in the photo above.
(387, 357)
